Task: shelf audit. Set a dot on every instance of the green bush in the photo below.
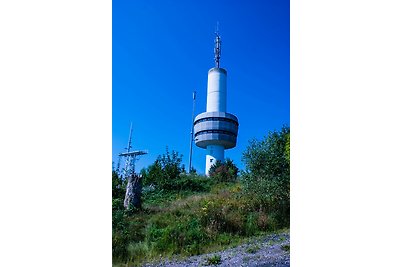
(126, 230)
(213, 260)
(118, 186)
(164, 172)
(191, 182)
(120, 242)
(224, 171)
(267, 174)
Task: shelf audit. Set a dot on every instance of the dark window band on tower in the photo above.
(217, 119)
(215, 131)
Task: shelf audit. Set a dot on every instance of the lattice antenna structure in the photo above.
(130, 157)
(217, 47)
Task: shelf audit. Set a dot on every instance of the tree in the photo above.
(165, 170)
(287, 147)
(267, 172)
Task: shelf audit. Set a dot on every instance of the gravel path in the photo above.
(268, 251)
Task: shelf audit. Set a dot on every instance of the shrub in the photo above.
(164, 172)
(120, 241)
(126, 230)
(118, 186)
(267, 173)
(213, 260)
(224, 171)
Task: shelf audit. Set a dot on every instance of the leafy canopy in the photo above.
(164, 171)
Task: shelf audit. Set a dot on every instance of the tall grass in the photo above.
(190, 225)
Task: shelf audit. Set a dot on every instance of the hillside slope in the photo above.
(270, 250)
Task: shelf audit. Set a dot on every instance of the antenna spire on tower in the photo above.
(217, 47)
(130, 140)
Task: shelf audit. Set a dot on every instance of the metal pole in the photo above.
(130, 139)
(128, 160)
(191, 133)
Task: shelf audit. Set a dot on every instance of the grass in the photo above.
(213, 260)
(253, 249)
(188, 223)
(285, 247)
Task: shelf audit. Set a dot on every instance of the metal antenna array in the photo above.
(217, 47)
(130, 157)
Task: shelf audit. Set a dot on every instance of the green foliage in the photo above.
(213, 260)
(193, 170)
(184, 186)
(189, 225)
(287, 147)
(224, 171)
(137, 252)
(127, 230)
(188, 214)
(164, 171)
(178, 233)
(253, 249)
(118, 186)
(267, 174)
(167, 174)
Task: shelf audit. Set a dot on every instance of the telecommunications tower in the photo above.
(215, 129)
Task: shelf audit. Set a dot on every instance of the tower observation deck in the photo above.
(215, 129)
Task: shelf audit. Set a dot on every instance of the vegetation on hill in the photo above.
(189, 214)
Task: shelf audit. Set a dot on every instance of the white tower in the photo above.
(215, 129)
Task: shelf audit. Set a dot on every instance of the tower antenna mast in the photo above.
(217, 47)
(129, 140)
(191, 132)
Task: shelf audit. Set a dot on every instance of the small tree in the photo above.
(164, 171)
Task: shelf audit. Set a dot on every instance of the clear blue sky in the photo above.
(162, 51)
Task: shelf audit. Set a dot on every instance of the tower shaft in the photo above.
(215, 129)
(216, 90)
